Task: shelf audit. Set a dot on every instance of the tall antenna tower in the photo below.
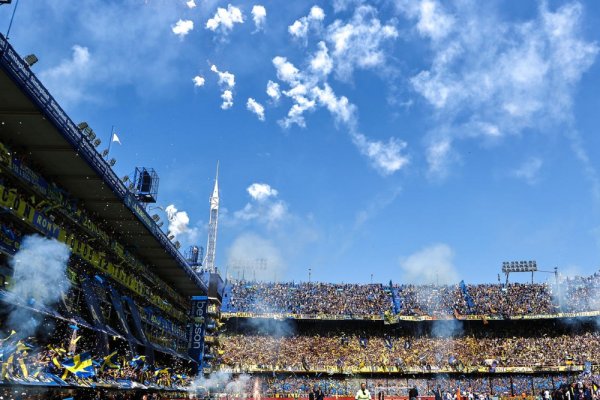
(211, 246)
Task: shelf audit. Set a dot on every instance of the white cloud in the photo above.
(433, 21)
(529, 170)
(227, 83)
(273, 90)
(65, 78)
(286, 71)
(264, 207)
(227, 97)
(316, 14)
(431, 264)
(261, 191)
(343, 5)
(439, 155)
(183, 27)
(256, 108)
(490, 78)
(306, 94)
(259, 15)
(198, 81)
(385, 157)
(358, 42)
(226, 78)
(191, 4)
(321, 63)
(113, 61)
(224, 19)
(299, 29)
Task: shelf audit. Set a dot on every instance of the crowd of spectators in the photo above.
(308, 298)
(578, 294)
(25, 362)
(511, 299)
(430, 299)
(339, 352)
(448, 388)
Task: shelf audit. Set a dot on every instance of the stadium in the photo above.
(97, 301)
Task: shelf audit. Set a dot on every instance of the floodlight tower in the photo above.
(211, 246)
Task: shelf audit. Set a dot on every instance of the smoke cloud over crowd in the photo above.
(39, 280)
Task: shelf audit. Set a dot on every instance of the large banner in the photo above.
(137, 320)
(102, 346)
(117, 303)
(197, 330)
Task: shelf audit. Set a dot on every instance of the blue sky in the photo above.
(412, 140)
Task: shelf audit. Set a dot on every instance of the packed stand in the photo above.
(430, 299)
(338, 352)
(308, 298)
(542, 387)
(511, 299)
(579, 293)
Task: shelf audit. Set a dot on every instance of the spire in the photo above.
(211, 246)
(214, 199)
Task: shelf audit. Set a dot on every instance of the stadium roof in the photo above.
(33, 120)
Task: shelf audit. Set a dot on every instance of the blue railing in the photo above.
(15, 67)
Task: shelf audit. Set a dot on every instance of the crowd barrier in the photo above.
(392, 319)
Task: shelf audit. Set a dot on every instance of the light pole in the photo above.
(309, 271)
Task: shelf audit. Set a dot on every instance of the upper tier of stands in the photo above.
(571, 295)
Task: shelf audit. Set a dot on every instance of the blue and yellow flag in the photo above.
(81, 365)
(162, 371)
(138, 361)
(111, 361)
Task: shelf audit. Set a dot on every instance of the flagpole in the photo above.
(110, 140)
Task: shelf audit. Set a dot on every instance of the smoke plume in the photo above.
(221, 382)
(39, 280)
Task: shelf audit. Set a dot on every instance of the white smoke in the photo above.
(39, 280)
(178, 220)
(255, 257)
(433, 264)
(221, 382)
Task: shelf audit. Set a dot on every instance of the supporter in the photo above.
(363, 393)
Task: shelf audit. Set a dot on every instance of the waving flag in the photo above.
(110, 361)
(115, 138)
(138, 361)
(81, 365)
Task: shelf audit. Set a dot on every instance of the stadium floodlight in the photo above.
(30, 59)
(104, 152)
(97, 142)
(90, 134)
(131, 186)
(177, 245)
(125, 178)
(112, 162)
(519, 266)
(156, 217)
(160, 224)
(82, 125)
(171, 236)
